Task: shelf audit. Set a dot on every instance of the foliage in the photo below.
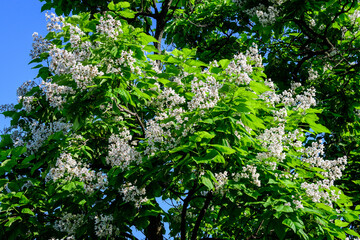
(117, 126)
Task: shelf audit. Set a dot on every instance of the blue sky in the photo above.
(19, 19)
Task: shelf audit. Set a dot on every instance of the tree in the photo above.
(112, 129)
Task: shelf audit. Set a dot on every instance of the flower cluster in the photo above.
(131, 193)
(272, 140)
(109, 26)
(40, 45)
(7, 107)
(313, 75)
(241, 67)
(25, 88)
(168, 99)
(68, 168)
(104, 227)
(206, 94)
(249, 172)
(121, 153)
(290, 98)
(54, 93)
(69, 223)
(354, 17)
(75, 35)
(126, 60)
(267, 16)
(158, 131)
(331, 171)
(221, 181)
(54, 23)
(40, 132)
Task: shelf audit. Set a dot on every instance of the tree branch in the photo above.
(183, 212)
(132, 114)
(128, 236)
(201, 216)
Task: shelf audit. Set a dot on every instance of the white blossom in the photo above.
(40, 45)
(69, 223)
(55, 93)
(104, 227)
(131, 193)
(68, 168)
(109, 26)
(121, 153)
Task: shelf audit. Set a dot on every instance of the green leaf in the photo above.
(111, 6)
(156, 57)
(7, 165)
(223, 149)
(207, 182)
(224, 63)
(127, 14)
(324, 206)
(288, 222)
(150, 48)
(123, 5)
(280, 231)
(11, 220)
(196, 63)
(318, 128)
(125, 96)
(145, 39)
(199, 136)
(283, 208)
(3, 181)
(350, 217)
(340, 223)
(183, 148)
(118, 6)
(352, 232)
(252, 121)
(259, 87)
(212, 156)
(27, 211)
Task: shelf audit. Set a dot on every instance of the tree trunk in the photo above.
(155, 229)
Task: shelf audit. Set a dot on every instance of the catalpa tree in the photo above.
(118, 135)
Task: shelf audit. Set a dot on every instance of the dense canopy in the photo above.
(187, 120)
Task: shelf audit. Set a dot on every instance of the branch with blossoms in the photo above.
(133, 114)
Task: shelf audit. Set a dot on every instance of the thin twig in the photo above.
(133, 114)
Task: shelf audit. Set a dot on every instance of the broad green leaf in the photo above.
(127, 14)
(150, 48)
(283, 208)
(123, 4)
(7, 165)
(199, 136)
(11, 220)
(212, 156)
(196, 63)
(183, 148)
(27, 211)
(3, 181)
(318, 128)
(223, 149)
(224, 63)
(340, 223)
(288, 222)
(207, 182)
(156, 57)
(259, 87)
(352, 232)
(145, 39)
(111, 6)
(252, 121)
